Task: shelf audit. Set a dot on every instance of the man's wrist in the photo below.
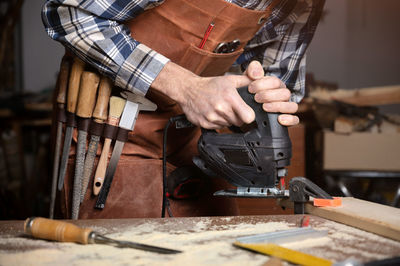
(175, 82)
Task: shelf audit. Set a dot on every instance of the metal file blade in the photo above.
(89, 162)
(57, 153)
(64, 158)
(79, 163)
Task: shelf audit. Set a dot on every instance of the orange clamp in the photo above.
(335, 202)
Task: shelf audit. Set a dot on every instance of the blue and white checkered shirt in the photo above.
(94, 30)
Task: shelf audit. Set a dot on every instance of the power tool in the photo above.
(254, 159)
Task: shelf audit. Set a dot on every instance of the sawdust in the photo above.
(202, 243)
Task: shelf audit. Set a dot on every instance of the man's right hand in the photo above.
(215, 102)
(211, 102)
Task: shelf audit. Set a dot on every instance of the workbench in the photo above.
(203, 240)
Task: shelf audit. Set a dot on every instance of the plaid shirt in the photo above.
(93, 29)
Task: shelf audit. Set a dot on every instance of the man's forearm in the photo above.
(175, 82)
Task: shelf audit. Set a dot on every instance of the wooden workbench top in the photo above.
(203, 240)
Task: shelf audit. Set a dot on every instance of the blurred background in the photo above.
(353, 77)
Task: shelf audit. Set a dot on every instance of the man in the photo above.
(175, 52)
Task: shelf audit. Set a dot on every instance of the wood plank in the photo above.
(363, 96)
(361, 151)
(372, 217)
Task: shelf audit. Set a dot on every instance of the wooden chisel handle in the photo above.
(74, 84)
(63, 80)
(100, 112)
(101, 167)
(57, 230)
(87, 94)
(116, 107)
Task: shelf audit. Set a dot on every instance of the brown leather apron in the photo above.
(174, 29)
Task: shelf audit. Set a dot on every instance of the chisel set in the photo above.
(85, 104)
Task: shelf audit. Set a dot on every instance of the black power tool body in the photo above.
(253, 159)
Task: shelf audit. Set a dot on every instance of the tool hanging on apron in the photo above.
(175, 29)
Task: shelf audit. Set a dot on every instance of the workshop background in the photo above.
(348, 141)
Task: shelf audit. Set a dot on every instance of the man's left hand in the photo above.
(272, 93)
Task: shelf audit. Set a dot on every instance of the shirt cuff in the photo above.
(140, 69)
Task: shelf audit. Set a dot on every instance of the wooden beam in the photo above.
(372, 217)
(362, 97)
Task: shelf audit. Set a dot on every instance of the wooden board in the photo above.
(362, 97)
(361, 151)
(372, 217)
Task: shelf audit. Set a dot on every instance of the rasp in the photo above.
(72, 95)
(126, 124)
(43, 228)
(96, 128)
(84, 110)
(62, 83)
(116, 106)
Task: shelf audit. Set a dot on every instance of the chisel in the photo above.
(86, 100)
(126, 124)
(116, 106)
(62, 84)
(96, 129)
(72, 95)
(66, 232)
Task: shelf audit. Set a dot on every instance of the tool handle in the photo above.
(87, 94)
(56, 230)
(74, 84)
(100, 111)
(116, 107)
(101, 167)
(267, 123)
(63, 80)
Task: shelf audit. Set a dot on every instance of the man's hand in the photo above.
(272, 93)
(213, 102)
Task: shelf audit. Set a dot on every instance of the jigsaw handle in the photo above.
(267, 123)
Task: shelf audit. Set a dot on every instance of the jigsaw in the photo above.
(254, 159)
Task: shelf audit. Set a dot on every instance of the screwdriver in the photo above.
(49, 229)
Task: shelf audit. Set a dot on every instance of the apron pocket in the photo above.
(206, 63)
